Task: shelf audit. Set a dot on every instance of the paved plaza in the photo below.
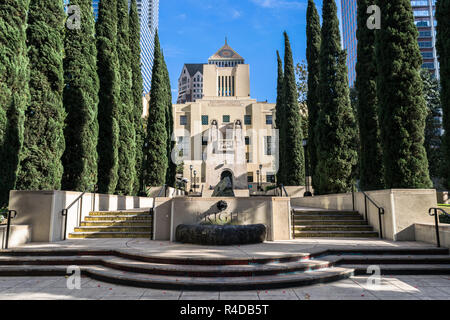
(355, 288)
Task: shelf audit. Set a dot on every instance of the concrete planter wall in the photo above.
(426, 232)
(273, 212)
(403, 208)
(17, 235)
(42, 210)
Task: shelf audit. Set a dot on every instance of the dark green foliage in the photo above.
(433, 124)
(313, 39)
(172, 166)
(14, 93)
(81, 102)
(137, 90)
(127, 134)
(155, 151)
(109, 97)
(294, 159)
(371, 152)
(400, 96)
(279, 121)
(43, 145)
(443, 49)
(336, 125)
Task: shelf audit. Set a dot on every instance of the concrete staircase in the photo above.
(115, 224)
(222, 273)
(308, 223)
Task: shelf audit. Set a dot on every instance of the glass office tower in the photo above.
(423, 10)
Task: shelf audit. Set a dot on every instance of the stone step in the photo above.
(328, 213)
(118, 213)
(128, 265)
(336, 234)
(328, 217)
(401, 269)
(127, 229)
(119, 218)
(332, 228)
(330, 222)
(112, 223)
(84, 235)
(186, 283)
(390, 259)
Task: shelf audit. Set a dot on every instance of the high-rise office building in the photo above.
(349, 42)
(148, 11)
(423, 11)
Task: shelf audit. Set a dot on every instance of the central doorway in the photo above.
(227, 174)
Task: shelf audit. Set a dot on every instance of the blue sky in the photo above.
(193, 30)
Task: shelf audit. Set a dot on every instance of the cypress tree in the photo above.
(81, 102)
(432, 124)
(312, 56)
(279, 120)
(172, 166)
(14, 92)
(293, 138)
(336, 124)
(155, 151)
(43, 145)
(127, 134)
(109, 96)
(137, 90)
(443, 49)
(371, 153)
(400, 95)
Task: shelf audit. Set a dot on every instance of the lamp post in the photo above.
(261, 177)
(191, 167)
(195, 180)
(305, 148)
(257, 173)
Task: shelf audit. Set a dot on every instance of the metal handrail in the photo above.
(8, 226)
(436, 221)
(65, 211)
(380, 211)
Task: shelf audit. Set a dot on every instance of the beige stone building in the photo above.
(226, 132)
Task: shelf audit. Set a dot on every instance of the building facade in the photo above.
(224, 132)
(424, 19)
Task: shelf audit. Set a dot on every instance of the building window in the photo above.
(250, 177)
(270, 177)
(247, 141)
(205, 120)
(226, 119)
(247, 120)
(269, 119)
(247, 157)
(183, 120)
(268, 145)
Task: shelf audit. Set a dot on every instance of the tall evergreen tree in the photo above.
(279, 120)
(155, 151)
(172, 166)
(14, 92)
(127, 133)
(294, 167)
(400, 95)
(336, 125)
(443, 48)
(137, 90)
(43, 146)
(313, 39)
(109, 96)
(433, 124)
(81, 102)
(370, 153)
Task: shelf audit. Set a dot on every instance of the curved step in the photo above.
(336, 234)
(402, 269)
